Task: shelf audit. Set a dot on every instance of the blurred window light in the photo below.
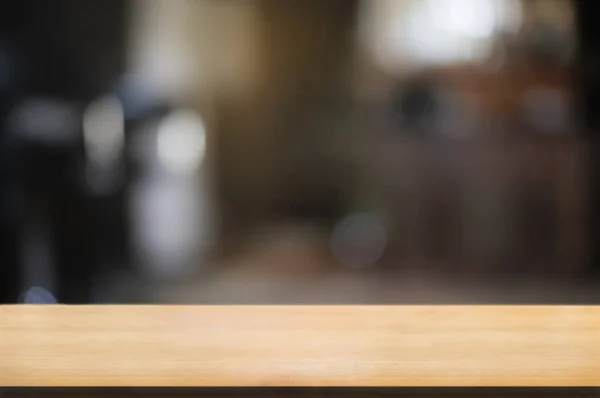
(168, 225)
(181, 142)
(472, 18)
(170, 206)
(160, 47)
(104, 131)
(441, 31)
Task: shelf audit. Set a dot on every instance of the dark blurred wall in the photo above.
(66, 48)
(68, 51)
(588, 87)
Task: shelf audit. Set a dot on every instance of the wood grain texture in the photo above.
(299, 345)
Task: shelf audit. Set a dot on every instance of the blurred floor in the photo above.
(293, 266)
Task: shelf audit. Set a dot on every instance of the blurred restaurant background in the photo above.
(299, 151)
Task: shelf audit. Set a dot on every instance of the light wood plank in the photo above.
(299, 345)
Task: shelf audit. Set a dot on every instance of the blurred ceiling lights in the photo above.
(440, 32)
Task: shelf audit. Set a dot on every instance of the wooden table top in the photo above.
(299, 346)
